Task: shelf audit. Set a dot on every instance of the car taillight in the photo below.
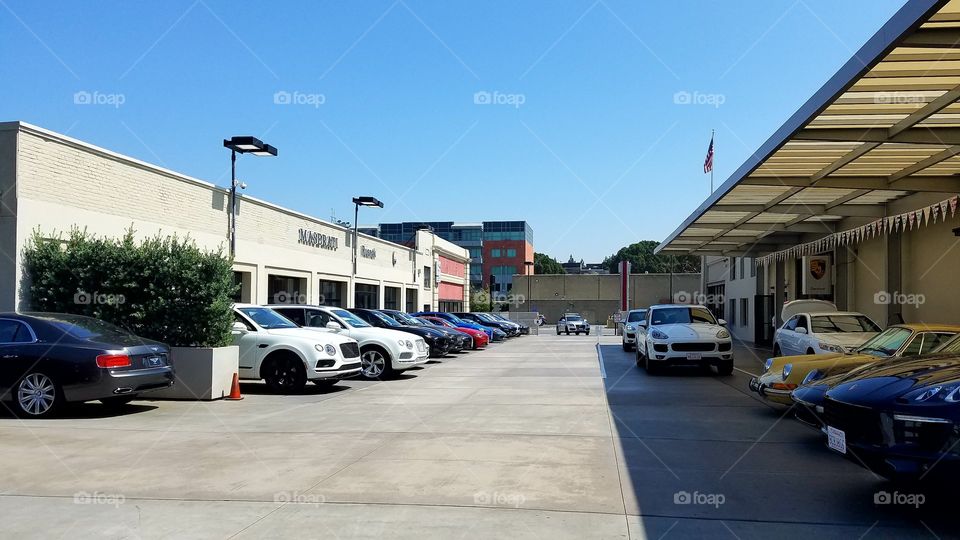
(113, 361)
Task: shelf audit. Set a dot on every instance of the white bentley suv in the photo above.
(383, 352)
(285, 356)
(678, 334)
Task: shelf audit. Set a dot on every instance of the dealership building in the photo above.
(51, 183)
(854, 198)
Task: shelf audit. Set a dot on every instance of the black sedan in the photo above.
(49, 359)
(901, 419)
(438, 342)
(458, 340)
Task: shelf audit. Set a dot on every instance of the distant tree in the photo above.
(642, 259)
(545, 264)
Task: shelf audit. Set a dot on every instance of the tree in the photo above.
(642, 259)
(545, 264)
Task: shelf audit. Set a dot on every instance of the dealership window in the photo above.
(511, 253)
(333, 293)
(411, 304)
(243, 282)
(427, 282)
(732, 306)
(733, 268)
(494, 252)
(753, 268)
(367, 296)
(742, 273)
(450, 306)
(286, 290)
(744, 312)
(391, 297)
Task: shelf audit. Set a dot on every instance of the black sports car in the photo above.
(901, 419)
(438, 342)
(458, 340)
(49, 359)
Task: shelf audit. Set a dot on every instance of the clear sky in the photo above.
(562, 113)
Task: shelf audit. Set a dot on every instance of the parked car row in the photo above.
(888, 400)
(51, 359)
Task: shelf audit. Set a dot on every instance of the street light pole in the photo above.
(243, 145)
(232, 219)
(357, 203)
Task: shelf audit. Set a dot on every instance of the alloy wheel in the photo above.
(373, 364)
(36, 394)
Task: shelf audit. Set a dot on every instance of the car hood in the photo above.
(846, 339)
(891, 379)
(322, 335)
(803, 359)
(690, 331)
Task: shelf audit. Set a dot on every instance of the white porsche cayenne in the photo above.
(678, 334)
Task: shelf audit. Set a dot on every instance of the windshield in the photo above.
(267, 318)
(573, 318)
(486, 317)
(886, 343)
(682, 315)
(82, 327)
(838, 324)
(350, 318)
(386, 320)
(406, 318)
(636, 316)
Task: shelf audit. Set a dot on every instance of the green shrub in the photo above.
(163, 288)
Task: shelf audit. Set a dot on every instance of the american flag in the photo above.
(708, 163)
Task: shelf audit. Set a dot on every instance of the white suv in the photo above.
(383, 352)
(680, 334)
(274, 349)
(573, 322)
(630, 325)
(816, 327)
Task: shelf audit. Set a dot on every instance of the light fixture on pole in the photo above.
(241, 145)
(529, 265)
(357, 203)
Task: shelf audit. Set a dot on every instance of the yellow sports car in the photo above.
(784, 374)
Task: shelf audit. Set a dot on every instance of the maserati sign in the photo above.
(368, 253)
(318, 240)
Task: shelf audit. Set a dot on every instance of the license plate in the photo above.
(152, 361)
(837, 439)
(694, 356)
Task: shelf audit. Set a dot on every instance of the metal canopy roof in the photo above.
(885, 126)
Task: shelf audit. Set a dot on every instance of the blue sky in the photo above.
(583, 137)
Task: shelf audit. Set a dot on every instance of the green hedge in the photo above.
(162, 288)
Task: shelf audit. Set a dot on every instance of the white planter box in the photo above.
(201, 373)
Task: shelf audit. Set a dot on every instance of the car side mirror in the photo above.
(238, 328)
(801, 330)
(722, 322)
(332, 325)
(642, 323)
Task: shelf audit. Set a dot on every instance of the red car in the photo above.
(480, 338)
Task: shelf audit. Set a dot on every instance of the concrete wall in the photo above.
(595, 296)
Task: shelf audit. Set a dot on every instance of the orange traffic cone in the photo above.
(235, 389)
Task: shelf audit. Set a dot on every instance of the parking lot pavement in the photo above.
(511, 441)
(533, 438)
(700, 456)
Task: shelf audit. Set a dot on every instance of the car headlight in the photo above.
(630, 328)
(813, 376)
(786, 371)
(723, 334)
(830, 347)
(329, 349)
(657, 334)
(408, 344)
(949, 393)
(768, 364)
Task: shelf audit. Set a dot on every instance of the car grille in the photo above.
(660, 347)
(724, 346)
(693, 347)
(352, 365)
(350, 350)
(860, 424)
